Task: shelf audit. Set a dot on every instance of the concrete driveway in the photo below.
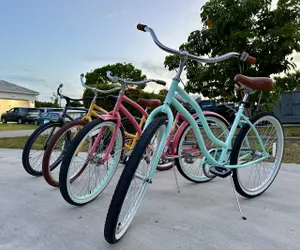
(33, 215)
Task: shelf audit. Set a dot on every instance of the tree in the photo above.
(163, 92)
(239, 25)
(98, 79)
(40, 104)
(288, 82)
(54, 100)
(52, 104)
(76, 104)
(108, 105)
(123, 70)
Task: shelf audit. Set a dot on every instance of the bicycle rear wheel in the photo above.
(190, 163)
(135, 177)
(255, 179)
(56, 150)
(35, 147)
(84, 176)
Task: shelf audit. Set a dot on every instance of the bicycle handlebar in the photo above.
(95, 89)
(66, 97)
(244, 56)
(59, 90)
(116, 79)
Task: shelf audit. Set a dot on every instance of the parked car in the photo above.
(46, 117)
(46, 110)
(20, 115)
(227, 110)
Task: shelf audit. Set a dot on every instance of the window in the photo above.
(23, 110)
(34, 110)
(55, 115)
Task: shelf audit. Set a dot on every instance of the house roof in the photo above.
(10, 87)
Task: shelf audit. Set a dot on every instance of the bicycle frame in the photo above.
(91, 112)
(165, 108)
(114, 115)
(176, 136)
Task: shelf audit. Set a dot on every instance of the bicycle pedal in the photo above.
(220, 171)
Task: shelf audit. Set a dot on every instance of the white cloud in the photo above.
(156, 71)
(296, 59)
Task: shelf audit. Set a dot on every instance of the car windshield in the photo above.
(45, 115)
(50, 115)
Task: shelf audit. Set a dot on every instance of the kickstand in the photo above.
(236, 198)
(175, 175)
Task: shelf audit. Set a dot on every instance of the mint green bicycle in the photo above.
(253, 160)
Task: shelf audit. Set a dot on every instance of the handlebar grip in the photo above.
(160, 82)
(141, 27)
(251, 60)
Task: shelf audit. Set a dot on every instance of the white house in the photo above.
(12, 95)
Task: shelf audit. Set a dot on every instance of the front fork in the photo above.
(111, 143)
(162, 144)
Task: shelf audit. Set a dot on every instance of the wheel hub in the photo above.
(189, 158)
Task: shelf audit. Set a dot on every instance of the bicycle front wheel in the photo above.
(56, 150)
(133, 182)
(84, 173)
(255, 179)
(35, 147)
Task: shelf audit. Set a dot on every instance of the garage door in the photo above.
(6, 104)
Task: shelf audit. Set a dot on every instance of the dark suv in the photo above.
(20, 115)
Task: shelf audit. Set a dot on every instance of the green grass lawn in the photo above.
(15, 126)
(291, 154)
(19, 142)
(16, 142)
(291, 131)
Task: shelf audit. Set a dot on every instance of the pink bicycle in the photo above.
(94, 154)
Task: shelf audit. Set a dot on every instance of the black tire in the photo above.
(128, 126)
(4, 120)
(20, 120)
(72, 148)
(47, 168)
(236, 149)
(26, 151)
(125, 180)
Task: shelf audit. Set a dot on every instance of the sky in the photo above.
(45, 43)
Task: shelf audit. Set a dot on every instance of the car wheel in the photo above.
(4, 120)
(20, 121)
